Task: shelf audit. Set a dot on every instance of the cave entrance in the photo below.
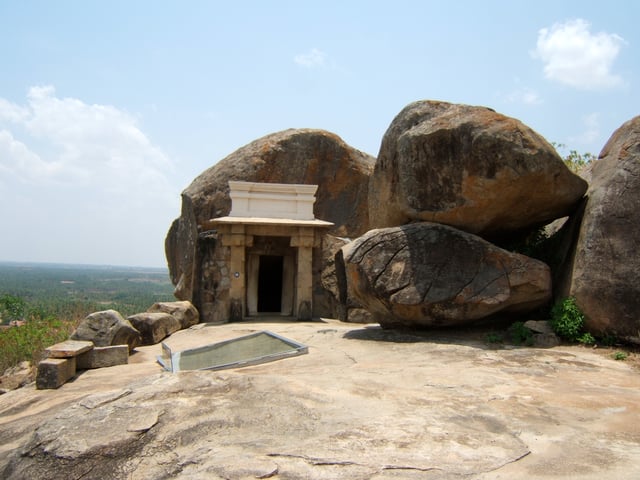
(270, 283)
(271, 273)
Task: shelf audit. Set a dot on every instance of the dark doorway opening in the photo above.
(270, 283)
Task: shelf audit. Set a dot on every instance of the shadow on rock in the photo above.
(471, 337)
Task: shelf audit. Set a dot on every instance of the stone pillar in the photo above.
(253, 269)
(237, 240)
(304, 242)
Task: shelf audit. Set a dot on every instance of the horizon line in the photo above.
(76, 264)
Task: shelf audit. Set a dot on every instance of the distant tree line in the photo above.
(52, 300)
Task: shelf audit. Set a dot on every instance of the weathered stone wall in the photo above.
(214, 279)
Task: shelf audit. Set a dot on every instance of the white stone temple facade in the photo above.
(271, 234)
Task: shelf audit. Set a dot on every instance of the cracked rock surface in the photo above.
(365, 403)
(426, 274)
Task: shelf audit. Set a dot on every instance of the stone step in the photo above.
(99, 357)
(54, 372)
(68, 348)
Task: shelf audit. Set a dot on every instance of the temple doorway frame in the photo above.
(270, 219)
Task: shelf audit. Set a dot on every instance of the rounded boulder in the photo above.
(471, 168)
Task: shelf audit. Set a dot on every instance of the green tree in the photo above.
(12, 308)
(574, 160)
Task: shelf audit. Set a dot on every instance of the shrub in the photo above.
(567, 319)
(28, 341)
(620, 356)
(587, 339)
(493, 337)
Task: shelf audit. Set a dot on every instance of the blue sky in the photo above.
(108, 110)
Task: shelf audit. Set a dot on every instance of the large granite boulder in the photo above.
(107, 328)
(427, 274)
(471, 168)
(605, 273)
(303, 156)
(154, 326)
(180, 248)
(184, 312)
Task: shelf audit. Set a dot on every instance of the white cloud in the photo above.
(83, 143)
(16, 160)
(573, 56)
(82, 171)
(312, 59)
(525, 95)
(11, 112)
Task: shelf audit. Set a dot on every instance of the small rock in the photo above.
(17, 376)
(545, 340)
(539, 326)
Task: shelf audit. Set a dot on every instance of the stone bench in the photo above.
(99, 357)
(64, 358)
(68, 349)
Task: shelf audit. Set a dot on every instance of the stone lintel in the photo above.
(234, 235)
(68, 348)
(237, 228)
(271, 230)
(303, 238)
(54, 372)
(237, 240)
(101, 357)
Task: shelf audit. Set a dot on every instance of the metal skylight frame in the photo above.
(253, 349)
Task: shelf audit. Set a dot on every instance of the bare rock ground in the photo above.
(365, 403)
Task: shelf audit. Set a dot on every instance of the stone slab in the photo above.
(68, 348)
(54, 372)
(100, 357)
